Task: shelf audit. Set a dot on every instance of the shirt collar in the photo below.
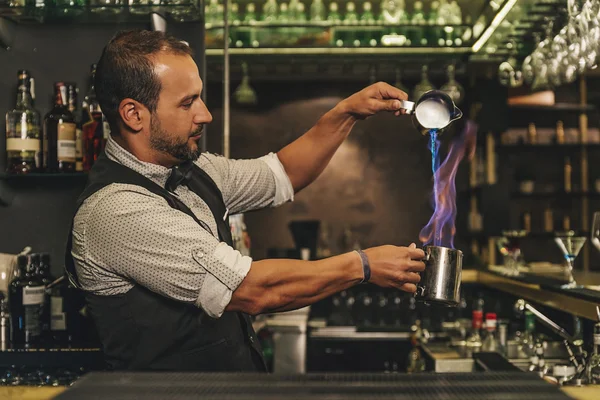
(154, 172)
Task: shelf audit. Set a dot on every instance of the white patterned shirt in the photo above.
(124, 234)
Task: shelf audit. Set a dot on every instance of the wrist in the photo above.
(365, 265)
(343, 111)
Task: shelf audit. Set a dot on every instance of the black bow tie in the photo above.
(180, 175)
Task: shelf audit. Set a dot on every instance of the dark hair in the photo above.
(126, 70)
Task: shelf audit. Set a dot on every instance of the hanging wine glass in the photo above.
(398, 83)
(452, 87)
(424, 85)
(244, 94)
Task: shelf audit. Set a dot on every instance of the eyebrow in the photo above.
(189, 97)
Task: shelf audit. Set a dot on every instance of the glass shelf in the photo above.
(97, 14)
(553, 108)
(261, 35)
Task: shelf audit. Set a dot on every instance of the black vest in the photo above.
(142, 330)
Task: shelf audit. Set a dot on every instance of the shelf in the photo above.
(553, 195)
(530, 235)
(39, 175)
(548, 147)
(341, 51)
(554, 108)
(97, 14)
(570, 301)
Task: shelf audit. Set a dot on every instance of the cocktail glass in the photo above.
(509, 246)
(570, 243)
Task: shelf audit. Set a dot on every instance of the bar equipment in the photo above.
(570, 243)
(432, 112)
(440, 282)
(579, 358)
(509, 246)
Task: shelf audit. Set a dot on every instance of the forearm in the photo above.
(305, 158)
(283, 285)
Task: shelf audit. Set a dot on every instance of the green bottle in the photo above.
(317, 11)
(367, 17)
(270, 11)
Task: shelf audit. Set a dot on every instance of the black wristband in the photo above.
(366, 266)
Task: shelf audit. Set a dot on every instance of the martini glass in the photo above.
(596, 231)
(570, 243)
(509, 246)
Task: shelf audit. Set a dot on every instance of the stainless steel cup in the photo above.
(440, 282)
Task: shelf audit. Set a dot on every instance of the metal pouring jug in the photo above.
(440, 282)
(434, 110)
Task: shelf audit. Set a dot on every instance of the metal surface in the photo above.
(165, 386)
(440, 282)
(521, 305)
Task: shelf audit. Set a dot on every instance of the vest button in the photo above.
(251, 339)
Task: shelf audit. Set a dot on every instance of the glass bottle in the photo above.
(59, 134)
(393, 12)
(424, 85)
(334, 15)
(416, 362)
(367, 17)
(23, 145)
(452, 87)
(43, 271)
(317, 11)
(250, 17)
(92, 125)
(351, 16)
(284, 14)
(490, 343)
(72, 94)
(270, 11)
(26, 299)
(474, 341)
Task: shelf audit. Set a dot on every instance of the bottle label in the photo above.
(66, 148)
(56, 305)
(33, 326)
(33, 295)
(58, 322)
(18, 144)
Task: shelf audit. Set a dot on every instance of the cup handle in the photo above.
(409, 106)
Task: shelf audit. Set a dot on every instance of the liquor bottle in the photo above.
(59, 134)
(416, 362)
(58, 315)
(490, 343)
(5, 323)
(72, 92)
(351, 17)
(528, 339)
(23, 147)
(424, 85)
(334, 15)
(474, 340)
(42, 261)
(367, 17)
(26, 299)
(270, 11)
(92, 125)
(568, 173)
(317, 11)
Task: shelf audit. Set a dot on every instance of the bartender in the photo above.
(151, 245)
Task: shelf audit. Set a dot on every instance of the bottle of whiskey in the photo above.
(59, 134)
(23, 131)
(72, 92)
(26, 299)
(92, 125)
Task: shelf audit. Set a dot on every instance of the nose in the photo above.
(203, 116)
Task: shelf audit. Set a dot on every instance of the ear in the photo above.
(133, 114)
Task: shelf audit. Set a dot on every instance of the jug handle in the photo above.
(409, 106)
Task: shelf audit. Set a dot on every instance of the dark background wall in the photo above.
(40, 209)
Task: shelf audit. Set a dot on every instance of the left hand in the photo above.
(373, 99)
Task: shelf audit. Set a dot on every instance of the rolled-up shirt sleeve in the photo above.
(251, 184)
(133, 236)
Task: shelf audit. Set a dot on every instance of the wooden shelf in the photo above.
(547, 147)
(563, 300)
(567, 107)
(41, 175)
(554, 195)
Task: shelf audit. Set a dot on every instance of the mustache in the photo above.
(197, 131)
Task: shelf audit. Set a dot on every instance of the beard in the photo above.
(179, 148)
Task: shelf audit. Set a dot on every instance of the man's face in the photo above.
(177, 124)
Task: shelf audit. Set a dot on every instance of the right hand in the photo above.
(396, 267)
